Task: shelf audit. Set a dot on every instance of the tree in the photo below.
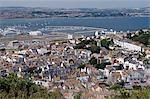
(93, 61)
(94, 49)
(100, 66)
(56, 94)
(17, 88)
(136, 93)
(129, 35)
(92, 46)
(106, 43)
(77, 96)
(141, 32)
(143, 38)
(116, 87)
(124, 94)
(81, 66)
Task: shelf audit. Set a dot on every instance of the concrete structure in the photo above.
(128, 46)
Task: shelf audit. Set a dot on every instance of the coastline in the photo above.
(109, 17)
(115, 23)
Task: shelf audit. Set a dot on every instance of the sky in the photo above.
(77, 3)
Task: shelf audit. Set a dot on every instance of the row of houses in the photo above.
(57, 65)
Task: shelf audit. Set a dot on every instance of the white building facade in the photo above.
(128, 46)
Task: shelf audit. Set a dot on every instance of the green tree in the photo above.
(143, 38)
(94, 49)
(12, 87)
(93, 61)
(106, 43)
(92, 46)
(81, 66)
(77, 96)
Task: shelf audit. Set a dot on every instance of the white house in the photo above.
(44, 83)
(35, 33)
(130, 65)
(70, 36)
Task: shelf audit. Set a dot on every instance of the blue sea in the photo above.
(115, 23)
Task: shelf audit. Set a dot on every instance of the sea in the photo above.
(115, 23)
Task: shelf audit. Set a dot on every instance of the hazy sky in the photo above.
(77, 3)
